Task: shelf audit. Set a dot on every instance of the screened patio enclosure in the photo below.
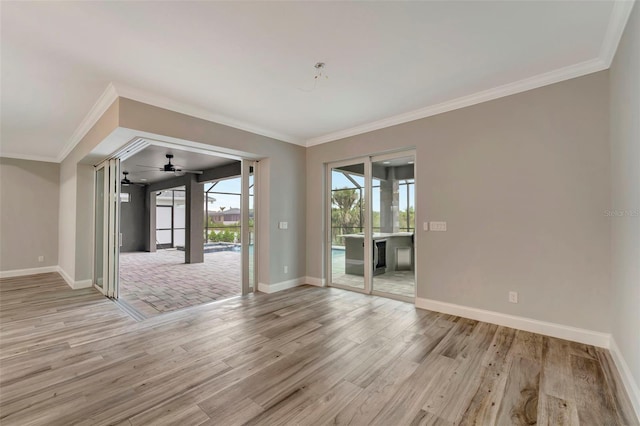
(188, 238)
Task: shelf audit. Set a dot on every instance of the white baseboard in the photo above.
(575, 334)
(33, 271)
(73, 283)
(30, 271)
(82, 284)
(283, 285)
(629, 382)
(318, 282)
(66, 276)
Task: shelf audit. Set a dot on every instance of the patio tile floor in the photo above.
(155, 283)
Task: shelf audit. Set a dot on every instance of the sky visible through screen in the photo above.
(233, 185)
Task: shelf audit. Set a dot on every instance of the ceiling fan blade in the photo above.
(196, 172)
(150, 171)
(149, 167)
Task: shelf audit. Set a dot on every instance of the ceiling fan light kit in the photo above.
(125, 181)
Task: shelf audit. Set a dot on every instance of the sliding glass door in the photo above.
(371, 225)
(107, 227)
(348, 250)
(392, 234)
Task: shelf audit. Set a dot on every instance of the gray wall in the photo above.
(281, 174)
(625, 194)
(522, 182)
(132, 219)
(28, 213)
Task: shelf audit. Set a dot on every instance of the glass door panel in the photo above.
(113, 229)
(100, 206)
(107, 227)
(349, 250)
(393, 218)
(252, 230)
(248, 217)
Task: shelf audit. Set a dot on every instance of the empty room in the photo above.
(310, 213)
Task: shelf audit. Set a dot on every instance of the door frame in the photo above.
(130, 149)
(391, 156)
(368, 161)
(248, 168)
(110, 228)
(367, 256)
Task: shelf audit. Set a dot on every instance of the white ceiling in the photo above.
(250, 64)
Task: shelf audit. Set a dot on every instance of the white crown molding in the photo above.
(560, 331)
(29, 157)
(97, 110)
(627, 378)
(617, 23)
(182, 108)
(30, 271)
(620, 13)
(551, 77)
(621, 10)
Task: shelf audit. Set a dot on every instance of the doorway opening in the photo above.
(371, 225)
(185, 233)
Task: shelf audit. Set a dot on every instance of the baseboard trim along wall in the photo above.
(575, 334)
(65, 276)
(71, 282)
(628, 380)
(283, 285)
(318, 282)
(46, 269)
(30, 271)
(82, 284)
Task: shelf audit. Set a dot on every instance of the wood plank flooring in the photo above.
(306, 356)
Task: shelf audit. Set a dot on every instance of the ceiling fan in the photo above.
(126, 182)
(172, 168)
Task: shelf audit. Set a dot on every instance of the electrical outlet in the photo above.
(40, 258)
(286, 269)
(513, 297)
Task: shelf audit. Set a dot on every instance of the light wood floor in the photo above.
(308, 356)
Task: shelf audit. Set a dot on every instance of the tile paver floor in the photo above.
(155, 283)
(401, 283)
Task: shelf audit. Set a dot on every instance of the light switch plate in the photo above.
(425, 226)
(437, 226)
(283, 225)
